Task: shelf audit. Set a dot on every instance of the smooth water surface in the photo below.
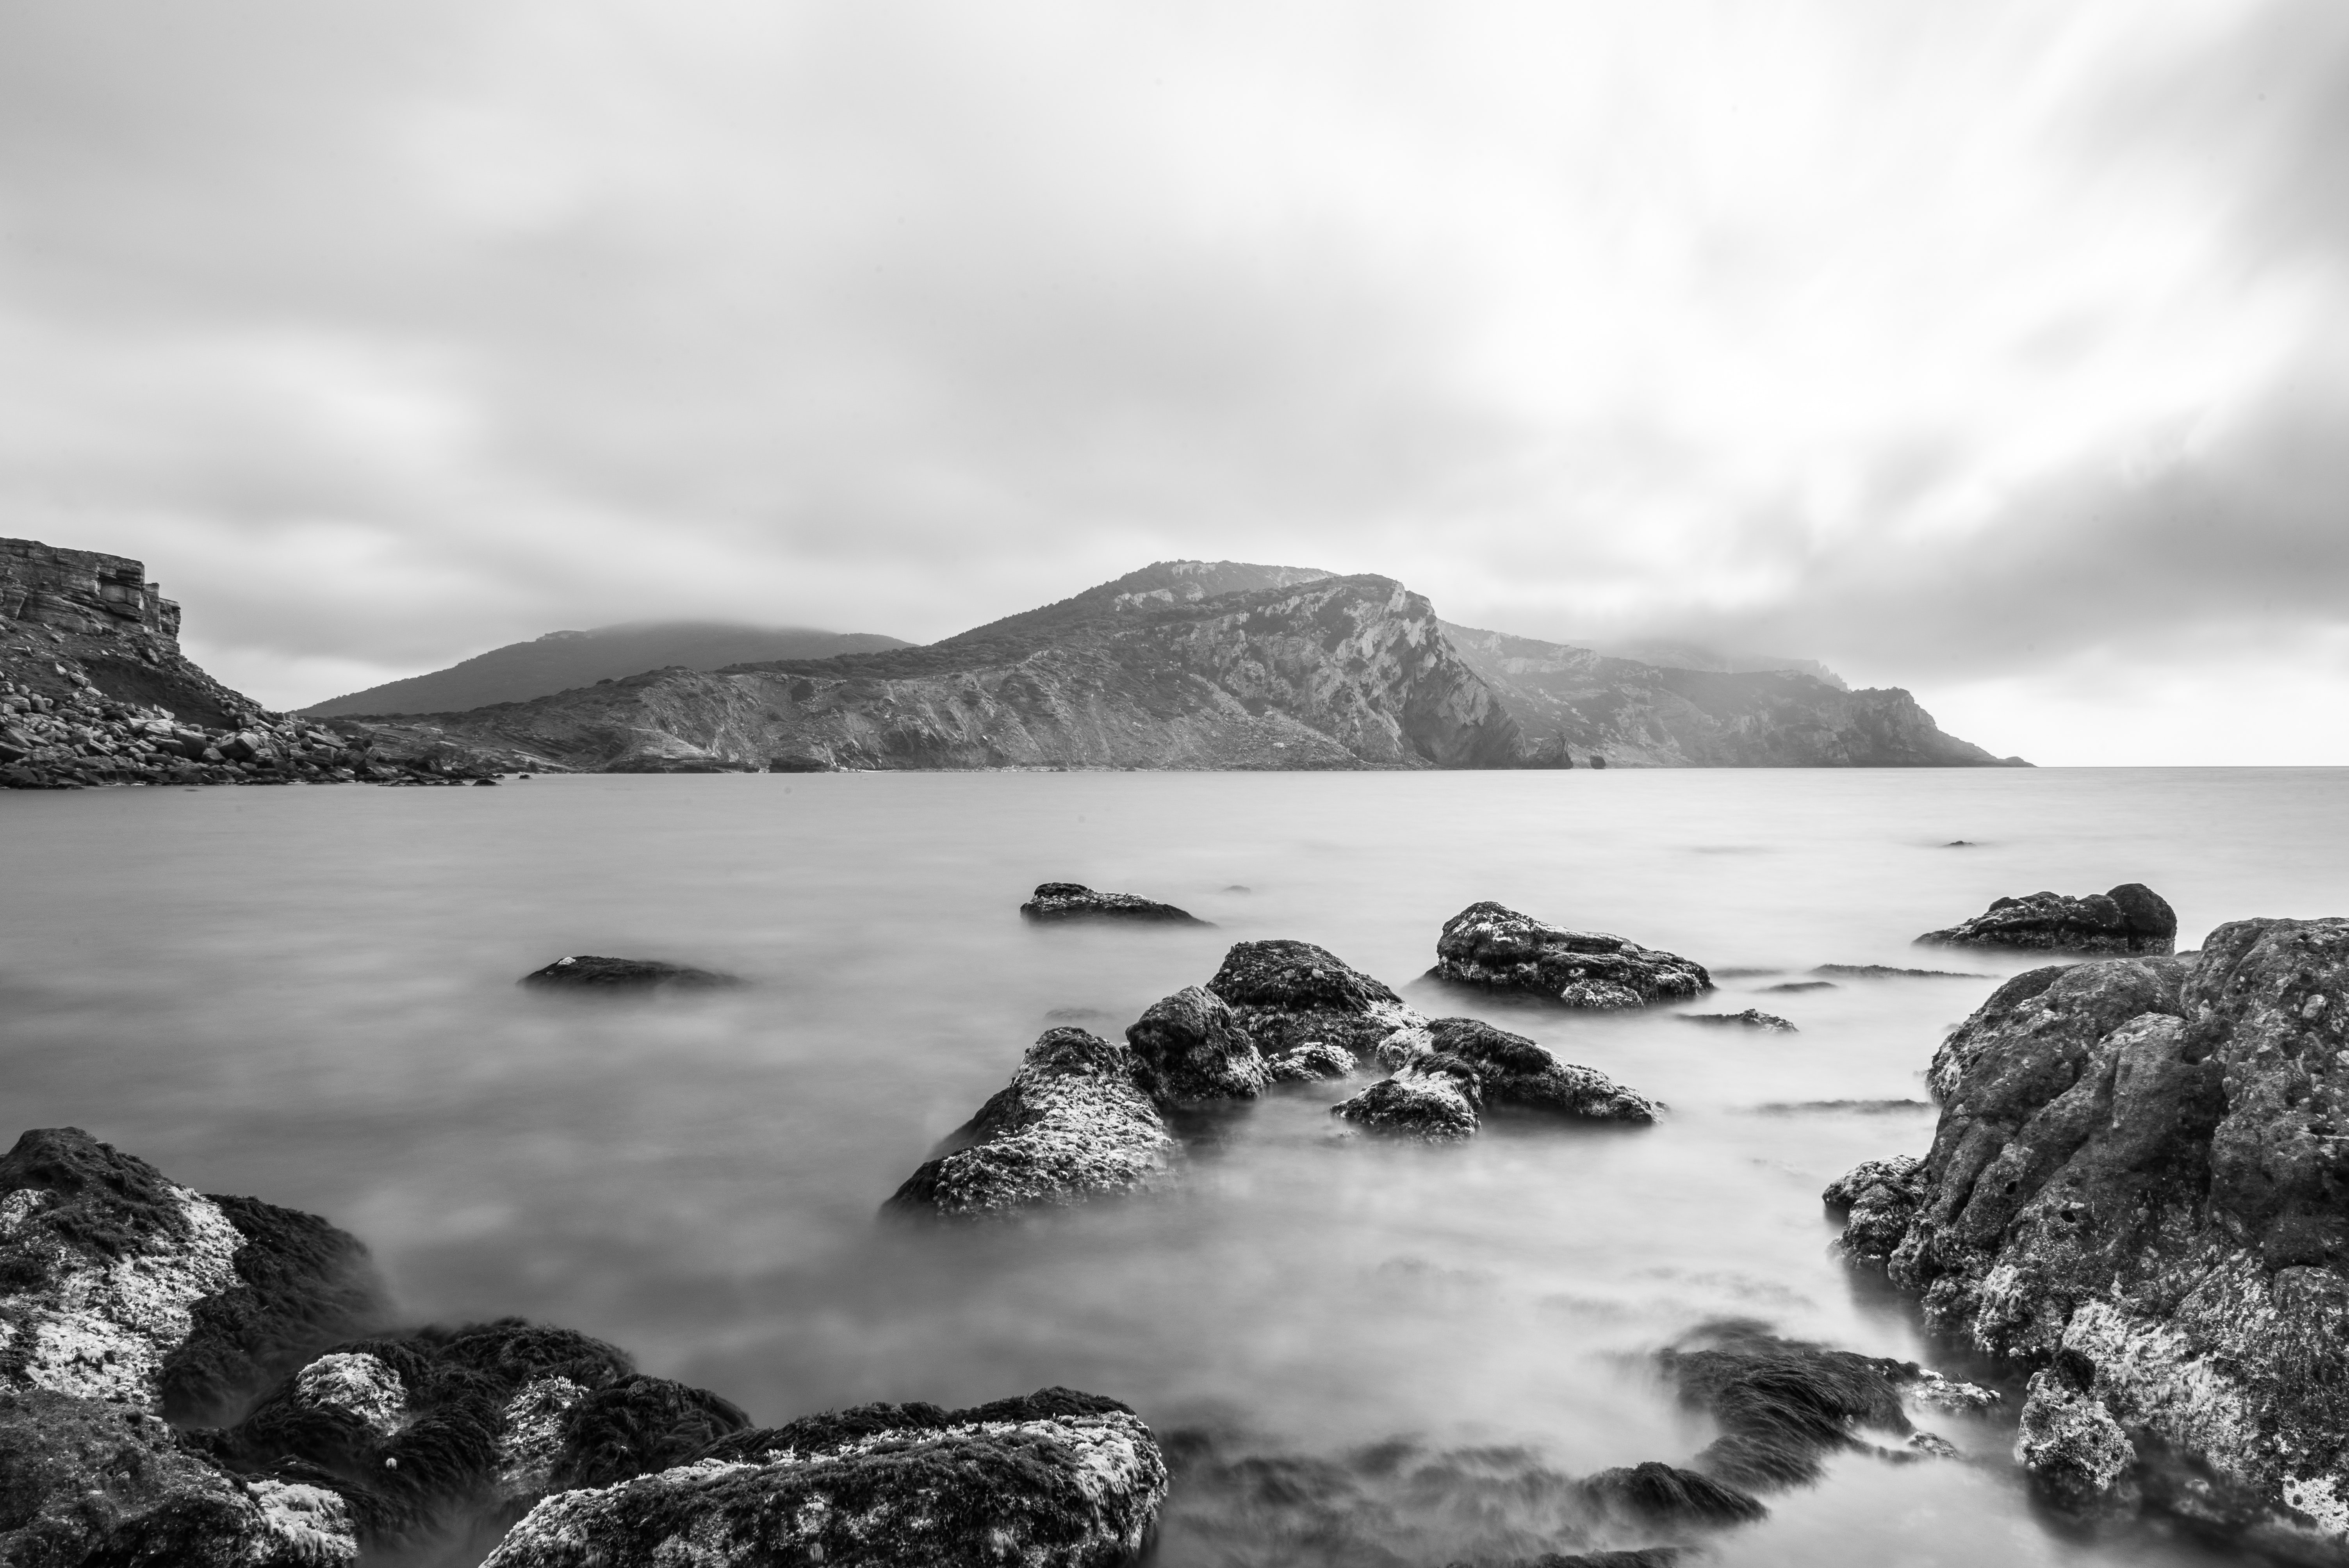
(309, 994)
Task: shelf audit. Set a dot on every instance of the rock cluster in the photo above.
(2130, 919)
(2136, 1192)
(1450, 1070)
(1074, 901)
(1490, 946)
(89, 738)
(130, 1299)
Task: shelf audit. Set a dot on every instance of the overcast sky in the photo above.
(1994, 350)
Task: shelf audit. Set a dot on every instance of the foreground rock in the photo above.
(1287, 995)
(1055, 1480)
(2135, 1190)
(1487, 945)
(1074, 901)
(587, 972)
(2131, 919)
(1071, 1126)
(1189, 1051)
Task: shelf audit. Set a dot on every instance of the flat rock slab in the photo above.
(1056, 1480)
(1493, 946)
(587, 972)
(1074, 901)
(2130, 919)
(1886, 972)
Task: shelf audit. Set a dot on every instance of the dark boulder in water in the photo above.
(1432, 1096)
(1189, 1051)
(2130, 919)
(1288, 993)
(1514, 1072)
(1493, 946)
(2134, 1192)
(1056, 1480)
(1074, 901)
(587, 972)
(1071, 1126)
(1751, 1018)
(1659, 1493)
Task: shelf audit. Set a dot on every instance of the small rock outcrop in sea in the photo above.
(1291, 994)
(1751, 1018)
(2135, 1191)
(1515, 1073)
(1071, 1125)
(1055, 1480)
(1885, 972)
(1432, 1096)
(1785, 1405)
(1074, 901)
(1189, 1051)
(587, 972)
(2131, 919)
(1487, 945)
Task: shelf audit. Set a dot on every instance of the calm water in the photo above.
(307, 994)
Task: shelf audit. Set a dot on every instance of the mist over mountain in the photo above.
(561, 660)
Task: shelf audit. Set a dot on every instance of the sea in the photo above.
(1361, 1352)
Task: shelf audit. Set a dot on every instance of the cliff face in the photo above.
(1289, 670)
(1580, 702)
(74, 620)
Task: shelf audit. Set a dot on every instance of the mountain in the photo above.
(1579, 701)
(1679, 655)
(1181, 664)
(561, 660)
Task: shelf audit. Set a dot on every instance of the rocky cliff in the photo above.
(1182, 665)
(1572, 702)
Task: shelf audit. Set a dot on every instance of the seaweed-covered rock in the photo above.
(85, 1480)
(1877, 1201)
(2131, 919)
(1315, 1061)
(1784, 1404)
(1289, 994)
(1432, 1096)
(587, 972)
(1056, 1480)
(117, 1284)
(2135, 1190)
(1658, 1492)
(1514, 1072)
(1074, 901)
(1490, 946)
(1069, 1126)
(1751, 1018)
(1189, 1051)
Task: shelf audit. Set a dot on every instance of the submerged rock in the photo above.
(1751, 1018)
(1071, 1126)
(586, 971)
(2130, 919)
(1074, 901)
(1432, 1096)
(1055, 1480)
(2135, 1190)
(1512, 1071)
(1190, 1050)
(1289, 994)
(1487, 945)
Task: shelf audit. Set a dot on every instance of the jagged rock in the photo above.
(1074, 901)
(1431, 1097)
(1751, 1018)
(1313, 1062)
(1055, 1480)
(1783, 1405)
(1513, 1071)
(586, 971)
(93, 1482)
(1190, 1050)
(1658, 1492)
(121, 1286)
(2131, 919)
(1071, 1126)
(1289, 994)
(1877, 1200)
(442, 1437)
(2133, 1190)
(1487, 945)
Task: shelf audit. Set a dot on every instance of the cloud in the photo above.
(1956, 343)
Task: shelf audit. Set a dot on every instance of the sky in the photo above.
(1997, 351)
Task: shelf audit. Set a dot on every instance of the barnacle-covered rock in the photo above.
(1190, 1050)
(1432, 1096)
(1074, 901)
(2130, 919)
(1514, 1072)
(1490, 946)
(1291, 994)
